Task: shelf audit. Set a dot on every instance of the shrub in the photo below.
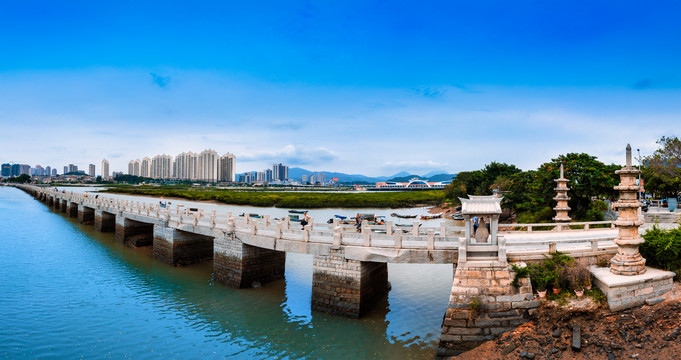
(662, 248)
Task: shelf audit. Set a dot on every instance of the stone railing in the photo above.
(586, 225)
(386, 236)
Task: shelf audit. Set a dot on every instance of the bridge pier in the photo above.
(104, 221)
(133, 233)
(482, 305)
(177, 247)
(50, 201)
(346, 287)
(86, 215)
(239, 265)
(71, 209)
(62, 206)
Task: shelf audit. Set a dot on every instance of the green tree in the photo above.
(662, 171)
(21, 179)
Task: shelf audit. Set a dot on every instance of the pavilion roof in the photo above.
(481, 205)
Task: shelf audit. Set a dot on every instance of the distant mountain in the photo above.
(441, 177)
(406, 178)
(435, 172)
(400, 175)
(296, 173)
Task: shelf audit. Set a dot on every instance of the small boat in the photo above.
(297, 211)
(193, 209)
(402, 216)
(252, 215)
(340, 217)
(430, 217)
(295, 218)
(406, 225)
(456, 216)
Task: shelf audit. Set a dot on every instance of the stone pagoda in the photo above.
(561, 198)
(628, 260)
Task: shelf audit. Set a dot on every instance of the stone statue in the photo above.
(482, 233)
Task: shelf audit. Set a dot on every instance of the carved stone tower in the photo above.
(561, 198)
(628, 260)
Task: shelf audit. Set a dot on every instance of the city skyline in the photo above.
(358, 87)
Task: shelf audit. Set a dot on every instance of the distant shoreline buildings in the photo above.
(205, 166)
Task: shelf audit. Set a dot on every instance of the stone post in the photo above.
(628, 260)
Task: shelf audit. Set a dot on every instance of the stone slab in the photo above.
(625, 292)
(604, 275)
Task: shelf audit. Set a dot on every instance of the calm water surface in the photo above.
(70, 292)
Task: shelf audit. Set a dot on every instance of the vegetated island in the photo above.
(289, 199)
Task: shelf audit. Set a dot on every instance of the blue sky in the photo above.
(371, 87)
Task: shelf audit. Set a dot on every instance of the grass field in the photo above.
(288, 199)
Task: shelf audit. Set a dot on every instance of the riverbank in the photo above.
(648, 332)
(292, 200)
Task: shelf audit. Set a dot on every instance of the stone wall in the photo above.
(177, 247)
(240, 265)
(346, 287)
(482, 305)
(625, 292)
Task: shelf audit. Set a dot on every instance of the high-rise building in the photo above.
(37, 171)
(145, 167)
(321, 178)
(208, 165)
(303, 179)
(280, 172)
(91, 167)
(24, 169)
(185, 166)
(54, 172)
(48, 171)
(161, 167)
(6, 170)
(226, 168)
(66, 169)
(313, 179)
(73, 168)
(16, 168)
(105, 169)
(134, 167)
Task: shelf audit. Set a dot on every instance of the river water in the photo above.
(71, 292)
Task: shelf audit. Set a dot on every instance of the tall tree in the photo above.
(662, 171)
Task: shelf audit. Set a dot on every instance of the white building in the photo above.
(226, 167)
(105, 169)
(208, 166)
(145, 167)
(161, 167)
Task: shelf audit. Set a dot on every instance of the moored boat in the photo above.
(430, 217)
(297, 211)
(403, 216)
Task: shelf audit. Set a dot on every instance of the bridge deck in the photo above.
(382, 243)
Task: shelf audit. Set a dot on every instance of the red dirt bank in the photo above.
(648, 332)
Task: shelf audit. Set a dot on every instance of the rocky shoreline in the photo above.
(588, 331)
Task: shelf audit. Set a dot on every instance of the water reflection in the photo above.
(72, 292)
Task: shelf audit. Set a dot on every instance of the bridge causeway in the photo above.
(349, 268)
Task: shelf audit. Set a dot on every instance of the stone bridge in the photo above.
(350, 268)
